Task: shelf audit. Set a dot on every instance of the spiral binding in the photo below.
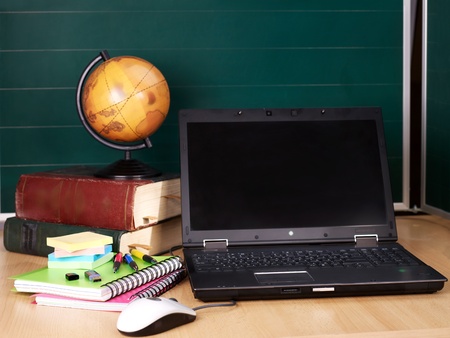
(162, 286)
(136, 279)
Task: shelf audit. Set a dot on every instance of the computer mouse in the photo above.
(149, 316)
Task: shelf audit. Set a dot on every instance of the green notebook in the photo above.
(53, 281)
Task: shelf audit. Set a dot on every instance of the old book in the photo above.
(73, 195)
(30, 237)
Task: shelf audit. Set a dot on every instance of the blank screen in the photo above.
(254, 175)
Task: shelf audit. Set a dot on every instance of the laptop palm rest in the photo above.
(283, 278)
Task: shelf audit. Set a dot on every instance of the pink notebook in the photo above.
(152, 289)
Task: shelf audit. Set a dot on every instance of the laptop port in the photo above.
(291, 290)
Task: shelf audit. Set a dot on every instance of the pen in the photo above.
(127, 258)
(144, 257)
(117, 262)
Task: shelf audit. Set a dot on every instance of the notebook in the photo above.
(301, 196)
(153, 288)
(53, 281)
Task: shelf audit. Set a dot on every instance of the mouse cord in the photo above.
(231, 303)
(177, 247)
(169, 251)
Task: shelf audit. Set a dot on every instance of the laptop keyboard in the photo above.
(357, 258)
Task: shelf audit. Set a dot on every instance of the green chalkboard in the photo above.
(255, 53)
(437, 164)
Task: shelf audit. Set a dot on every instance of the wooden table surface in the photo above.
(428, 315)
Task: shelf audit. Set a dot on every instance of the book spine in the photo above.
(29, 237)
(78, 200)
(136, 279)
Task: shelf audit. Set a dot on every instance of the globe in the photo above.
(125, 99)
(121, 102)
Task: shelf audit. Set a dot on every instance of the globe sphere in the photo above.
(125, 99)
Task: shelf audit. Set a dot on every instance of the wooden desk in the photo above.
(383, 316)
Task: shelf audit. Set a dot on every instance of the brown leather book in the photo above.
(75, 196)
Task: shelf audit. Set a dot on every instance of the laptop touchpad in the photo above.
(283, 278)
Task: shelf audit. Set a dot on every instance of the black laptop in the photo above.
(290, 203)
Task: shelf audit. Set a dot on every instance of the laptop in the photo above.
(291, 203)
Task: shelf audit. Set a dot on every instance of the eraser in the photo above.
(72, 276)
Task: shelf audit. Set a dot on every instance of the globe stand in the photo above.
(127, 168)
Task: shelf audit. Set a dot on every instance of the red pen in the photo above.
(117, 261)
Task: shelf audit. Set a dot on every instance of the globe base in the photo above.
(128, 169)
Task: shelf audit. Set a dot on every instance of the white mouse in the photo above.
(149, 316)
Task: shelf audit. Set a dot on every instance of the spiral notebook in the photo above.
(154, 288)
(53, 281)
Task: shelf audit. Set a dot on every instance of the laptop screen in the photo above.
(284, 174)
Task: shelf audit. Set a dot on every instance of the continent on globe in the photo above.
(125, 99)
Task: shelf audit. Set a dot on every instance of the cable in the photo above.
(172, 249)
(231, 303)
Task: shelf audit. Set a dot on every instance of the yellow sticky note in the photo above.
(79, 241)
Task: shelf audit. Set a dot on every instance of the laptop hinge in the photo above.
(366, 241)
(215, 244)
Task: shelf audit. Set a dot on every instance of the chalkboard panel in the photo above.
(259, 53)
(436, 192)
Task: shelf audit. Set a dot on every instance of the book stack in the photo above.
(142, 213)
(80, 222)
(84, 250)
